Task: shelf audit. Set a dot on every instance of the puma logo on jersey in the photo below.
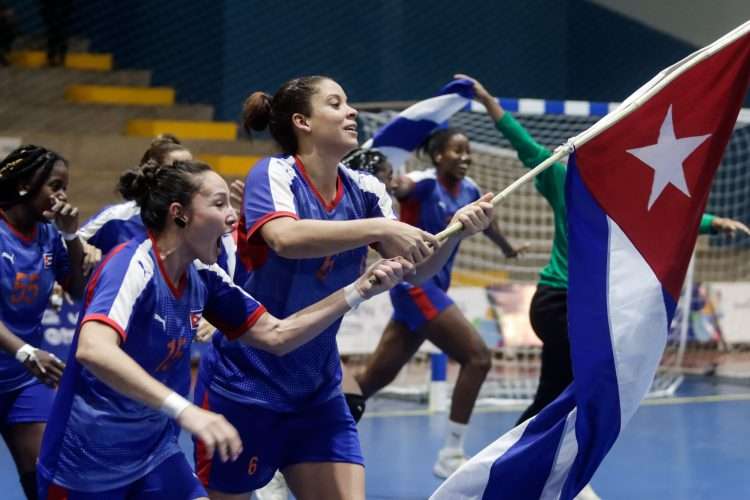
(161, 320)
(11, 257)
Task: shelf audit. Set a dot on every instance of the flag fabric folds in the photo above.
(635, 195)
(398, 138)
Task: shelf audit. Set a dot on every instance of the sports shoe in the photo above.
(275, 490)
(448, 460)
(587, 493)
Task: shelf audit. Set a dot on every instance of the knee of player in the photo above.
(481, 359)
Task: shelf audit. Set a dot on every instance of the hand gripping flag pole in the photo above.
(637, 185)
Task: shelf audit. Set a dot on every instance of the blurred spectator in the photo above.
(7, 32)
(56, 15)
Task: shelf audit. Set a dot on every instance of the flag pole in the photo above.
(632, 103)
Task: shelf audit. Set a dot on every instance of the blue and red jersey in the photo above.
(29, 267)
(99, 439)
(431, 205)
(121, 222)
(310, 375)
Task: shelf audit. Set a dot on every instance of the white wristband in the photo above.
(174, 404)
(68, 236)
(25, 353)
(352, 296)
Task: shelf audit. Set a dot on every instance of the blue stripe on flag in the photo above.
(464, 88)
(531, 457)
(670, 304)
(598, 418)
(404, 133)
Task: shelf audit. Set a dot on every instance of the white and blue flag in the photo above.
(401, 136)
(635, 193)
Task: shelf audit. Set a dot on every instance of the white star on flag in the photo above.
(666, 157)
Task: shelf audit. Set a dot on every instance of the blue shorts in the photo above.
(273, 440)
(173, 479)
(416, 305)
(32, 403)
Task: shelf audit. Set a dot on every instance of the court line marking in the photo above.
(716, 398)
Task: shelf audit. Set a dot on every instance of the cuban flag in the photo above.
(636, 188)
(401, 136)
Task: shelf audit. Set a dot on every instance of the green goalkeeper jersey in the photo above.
(551, 185)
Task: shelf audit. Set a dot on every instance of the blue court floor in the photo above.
(695, 446)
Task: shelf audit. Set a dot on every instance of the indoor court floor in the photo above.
(694, 446)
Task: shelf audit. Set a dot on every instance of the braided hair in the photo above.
(28, 163)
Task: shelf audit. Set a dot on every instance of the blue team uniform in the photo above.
(29, 266)
(121, 222)
(430, 205)
(296, 397)
(103, 442)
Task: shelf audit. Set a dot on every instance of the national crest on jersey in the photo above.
(280, 187)
(29, 267)
(195, 319)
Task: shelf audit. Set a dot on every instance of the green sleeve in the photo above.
(706, 224)
(551, 182)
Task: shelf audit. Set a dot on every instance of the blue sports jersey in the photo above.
(29, 266)
(113, 225)
(119, 223)
(310, 375)
(98, 439)
(431, 205)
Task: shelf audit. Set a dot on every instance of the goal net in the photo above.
(494, 292)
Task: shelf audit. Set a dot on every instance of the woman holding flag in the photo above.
(123, 391)
(305, 228)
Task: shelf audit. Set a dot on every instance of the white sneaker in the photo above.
(448, 460)
(587, 493)
(275, 490)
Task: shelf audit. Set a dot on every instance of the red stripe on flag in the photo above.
(656, 215)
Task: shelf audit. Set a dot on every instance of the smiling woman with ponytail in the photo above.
(125, 386)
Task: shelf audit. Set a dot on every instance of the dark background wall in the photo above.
(218, 51)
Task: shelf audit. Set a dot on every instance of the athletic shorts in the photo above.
(173, 479)
(416, 305)
(272, 440)
(28, 404)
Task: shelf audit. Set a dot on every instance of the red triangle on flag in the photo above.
(660, 219)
